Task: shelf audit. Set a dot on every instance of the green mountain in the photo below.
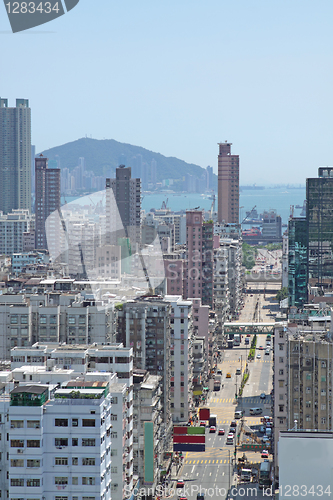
(103, 156)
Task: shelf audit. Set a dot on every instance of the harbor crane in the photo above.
(249, 214)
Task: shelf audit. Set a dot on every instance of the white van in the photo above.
(239, 414)
(230, 439)
(246, 475)
(255, 411)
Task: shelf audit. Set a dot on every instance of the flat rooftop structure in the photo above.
(30, 389)
(78, 393)
(305, 462)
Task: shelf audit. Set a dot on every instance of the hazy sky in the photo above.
(177, 77)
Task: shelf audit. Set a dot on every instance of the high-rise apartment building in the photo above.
(228, 184)
(60, 442)
(319, 214)
(271, 225)
(200, 257)
(15, 156)
(144, 324)
(181, 357)
(12, 228)
(47, 192)
(123, 197)
(147, 409)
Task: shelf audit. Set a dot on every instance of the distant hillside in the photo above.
(103, 156)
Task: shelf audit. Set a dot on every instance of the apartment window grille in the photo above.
(88, 461)
(88, 481)
(61, 442)
(88, 422)
(33, 463)
(61, 422)
(61, 461)
(60, 480)
(88, 442)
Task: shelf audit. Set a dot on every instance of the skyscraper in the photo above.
(209, 177)
(123, 196)
(47, 192)
(228, 184)
(319, 214)
(15, 156)
(153, 173)
(297, 261)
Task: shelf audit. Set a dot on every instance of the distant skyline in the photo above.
(177, 78)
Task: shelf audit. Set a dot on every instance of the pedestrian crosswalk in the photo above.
(247, 400)
(248, 422)
(207, 462)
(257, 360)
(225, 400)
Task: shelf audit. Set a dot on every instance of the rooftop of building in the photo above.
(304, 334)
(118, 387)
(308, 433)
(85, 384)
(79, 393)
(32, 369)
(30, 389)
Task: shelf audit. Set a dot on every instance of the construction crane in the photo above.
(249, 213)
(165, 204)
(84, 275)
(151, 290)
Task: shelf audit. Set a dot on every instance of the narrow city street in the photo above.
(213, 470)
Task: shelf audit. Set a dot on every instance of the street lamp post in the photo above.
(229, 470)
(235, 452)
